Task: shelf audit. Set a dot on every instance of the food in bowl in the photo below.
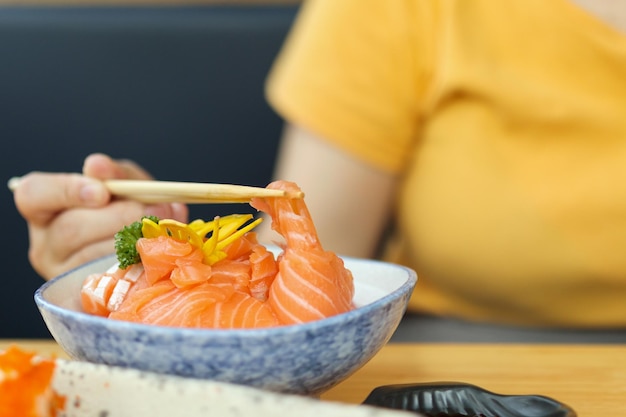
(307, 358)
(215, 274)
(301, 358)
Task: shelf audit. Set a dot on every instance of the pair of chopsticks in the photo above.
(185, 192)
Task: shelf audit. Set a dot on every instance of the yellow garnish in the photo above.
(222, 230)
(172, 228)
(233, 233)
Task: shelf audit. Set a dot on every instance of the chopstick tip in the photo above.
(294, 194)
(13, 183)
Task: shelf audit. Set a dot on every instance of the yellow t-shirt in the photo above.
(506, 121)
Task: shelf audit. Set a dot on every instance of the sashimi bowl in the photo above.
(306, 359)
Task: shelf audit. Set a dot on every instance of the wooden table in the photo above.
(589, 378)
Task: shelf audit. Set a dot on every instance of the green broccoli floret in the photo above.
(126, 243)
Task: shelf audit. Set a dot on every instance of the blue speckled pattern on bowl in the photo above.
(301, 359)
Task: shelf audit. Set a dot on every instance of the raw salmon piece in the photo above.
(190, 272)
(241, 248)
(310, 286)
(121, 289)
(95, 293)
(132, 273)
(234, 273)
(263, 269)
(159, 255)
(184, 307)
(167, 305)
(138, 297)
(240, 311)
(102, 293)
(261, 265)
(209, 305)
(311, 283)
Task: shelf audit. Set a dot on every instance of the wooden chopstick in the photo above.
(185, 192)
(191, 192)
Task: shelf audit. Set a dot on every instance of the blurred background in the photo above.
(175, 87)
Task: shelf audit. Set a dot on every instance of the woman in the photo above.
(482, 143)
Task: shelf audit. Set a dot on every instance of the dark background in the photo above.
(177, 89)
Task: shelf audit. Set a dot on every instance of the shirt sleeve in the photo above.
(356, 73)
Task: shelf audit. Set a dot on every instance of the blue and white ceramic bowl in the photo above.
(300, 359)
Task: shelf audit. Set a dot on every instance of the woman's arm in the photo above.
(349, 200)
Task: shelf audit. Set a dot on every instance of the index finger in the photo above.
(40, 196)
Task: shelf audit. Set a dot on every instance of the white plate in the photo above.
(93, 390)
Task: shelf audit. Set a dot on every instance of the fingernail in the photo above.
(180, 211)
(91, 193)
(158, 210)
(170, 211)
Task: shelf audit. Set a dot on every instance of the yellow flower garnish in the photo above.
(172, 228)
(222, 231)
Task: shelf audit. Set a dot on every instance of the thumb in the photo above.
(104, 167)
(41, 196)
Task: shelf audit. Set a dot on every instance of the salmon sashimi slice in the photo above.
(241, 248)
(234, 273)
(160, 255)
(263, 269)
(184, 307)
(203, 306)
(138, 297)
(240, 311)
(103, 293)
(163, 303)
(309, 287)
(95, 293)
(311, 283)
(188, 272)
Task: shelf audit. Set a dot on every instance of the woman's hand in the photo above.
(72, 218)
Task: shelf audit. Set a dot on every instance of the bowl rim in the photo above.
(405, 288)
